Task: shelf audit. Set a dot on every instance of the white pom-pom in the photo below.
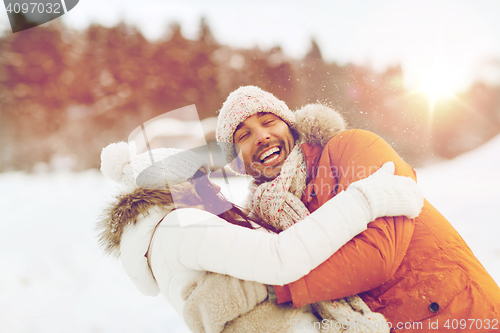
(113, 160)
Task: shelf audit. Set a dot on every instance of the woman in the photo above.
(168, 240)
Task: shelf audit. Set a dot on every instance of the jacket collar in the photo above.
(316, 124)
(128, 208)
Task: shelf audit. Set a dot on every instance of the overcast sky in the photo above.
(459, 37)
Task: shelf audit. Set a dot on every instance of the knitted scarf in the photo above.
(278, 202)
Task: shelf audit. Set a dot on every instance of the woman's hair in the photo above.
(215, 203)
(199, 193)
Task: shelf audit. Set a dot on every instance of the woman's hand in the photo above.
(389, 195)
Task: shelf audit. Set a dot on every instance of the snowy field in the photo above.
(54, 278)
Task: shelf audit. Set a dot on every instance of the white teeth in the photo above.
(272, 159)
(269, 152)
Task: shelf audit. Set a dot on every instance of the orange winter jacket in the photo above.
(420, 274)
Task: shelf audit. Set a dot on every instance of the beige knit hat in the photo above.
(241, 104)
(156, 168)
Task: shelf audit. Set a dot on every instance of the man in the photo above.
(419, 273)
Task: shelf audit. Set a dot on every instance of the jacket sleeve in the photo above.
(204, 242)
(371, 258)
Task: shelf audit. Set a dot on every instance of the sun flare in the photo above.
(439, 83)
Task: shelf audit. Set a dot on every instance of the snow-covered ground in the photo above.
(54, 278)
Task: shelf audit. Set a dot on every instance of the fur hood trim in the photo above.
(127, 208)
(316, 124)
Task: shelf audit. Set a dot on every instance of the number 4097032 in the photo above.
(470, 324)
(34, 7)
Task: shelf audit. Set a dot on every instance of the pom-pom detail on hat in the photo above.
(155, 168)
(114, 158)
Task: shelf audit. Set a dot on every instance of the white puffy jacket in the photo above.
(188, 242)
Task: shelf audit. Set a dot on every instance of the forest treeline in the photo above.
(67, 94)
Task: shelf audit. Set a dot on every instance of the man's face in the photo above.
(265, 141)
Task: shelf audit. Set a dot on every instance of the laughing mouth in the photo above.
(270, 155)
